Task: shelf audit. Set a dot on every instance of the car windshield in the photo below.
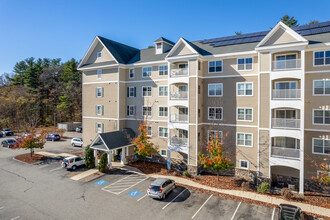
(11, 141)
(154, 188)
(7, 129)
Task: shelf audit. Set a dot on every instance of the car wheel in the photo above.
(164, 196)
(73, 145)
(74, 167)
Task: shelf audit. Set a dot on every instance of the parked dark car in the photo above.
(1, 135)
(9, 143)
(53, 137)
(79, 129)
(290, 212)
(7, 132)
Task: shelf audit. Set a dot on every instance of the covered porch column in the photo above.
(109, 159)
(95, 158)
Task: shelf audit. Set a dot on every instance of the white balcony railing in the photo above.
(285, 152)
(178, 141)
(179, 95)
(179, 118)
(286, 94)
(179, 72)
(286, 64)
(285, 123)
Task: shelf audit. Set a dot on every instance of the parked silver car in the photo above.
(160, 188)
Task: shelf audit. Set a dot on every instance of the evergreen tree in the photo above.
(289, 21)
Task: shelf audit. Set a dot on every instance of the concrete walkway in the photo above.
(48, 154)
(84, 174)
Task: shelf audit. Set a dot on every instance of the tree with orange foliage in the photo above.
(32, 141)
(143, 147)
(215, 159)
(323, 177)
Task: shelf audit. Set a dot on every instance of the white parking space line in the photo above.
(124, 184)
(17, 217)
(142, 197)
(174, 199)
(273, 215)
(2, 207)
(236, 211)
(46, 165)
(202, 206)
(58, 168)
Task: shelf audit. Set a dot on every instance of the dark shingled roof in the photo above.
(147, 55)
(164, 39)
(121, 52)
(117, 139)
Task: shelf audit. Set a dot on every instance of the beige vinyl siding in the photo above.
(265, 62)
(264, 100)
(309, 63)
(264, 153)
(107, 75)
(280, 37)
(181, 50)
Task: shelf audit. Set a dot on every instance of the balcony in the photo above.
(286, 94)
(179, 96)
(285, 123)
(178, 141)
(291, 64)
(179, 72)
(179, 118)
(285, 152)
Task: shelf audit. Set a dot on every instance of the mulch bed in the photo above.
(28, 159)
(229, 182)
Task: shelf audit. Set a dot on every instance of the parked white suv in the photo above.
(73, 162)
(77, 142)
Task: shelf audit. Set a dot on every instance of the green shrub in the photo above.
(263, 187)
(103, 164)
(89, 158)
(186, 173)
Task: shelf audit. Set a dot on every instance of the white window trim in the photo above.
(97, 74)
(97, 96)
(286, 54)
(159, 111)
(208, 114)
(208, 90)
(244, 70)
(208, 66)
(162, 95)
(102, 127)
(162, 70)
(323, 139)
(323, 116)
(129, 73)
(208, 134)
(129, 112)
(244, 114)
(323, 58)
(97, 106)
(150, 71)
(151, 131)
(244, 88)
(324, 80)
(244, 168)
(129, 92)
(159, 132)
(162, 154)
(146, 87)
(150, 111)
(244, 139)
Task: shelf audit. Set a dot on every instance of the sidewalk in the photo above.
(239, 193)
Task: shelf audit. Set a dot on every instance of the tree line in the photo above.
(40, 92)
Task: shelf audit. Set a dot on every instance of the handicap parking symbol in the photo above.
(134, 193)
(101, 182)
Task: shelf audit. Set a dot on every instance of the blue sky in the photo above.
(65, 28)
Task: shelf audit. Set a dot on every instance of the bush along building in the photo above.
(267, 92)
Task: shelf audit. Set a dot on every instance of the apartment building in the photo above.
(266, 93)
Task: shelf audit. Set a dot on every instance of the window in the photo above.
(131, 110)
(321, 146)
(244, 139)
(162, 70)
(215, 89)
(244, 89)
(321, 117)
(146, 110)
(131, 91)
(99, 110)
(163, 112)
(215, 66)
(99, 92)
(214, 134)
(244, 164)
(149, 131)
(321, 87)
(99, 54)
(322, 58)
(159, 45)
(146, 91)
(163, 132)
(162, 91)
(244, 114)
(131, 73)
(99, 74)
(163, 152)
(244, 64)
(99, 128)
(215, 113)
(146, 71)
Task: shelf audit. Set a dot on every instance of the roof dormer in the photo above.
(163, 45)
